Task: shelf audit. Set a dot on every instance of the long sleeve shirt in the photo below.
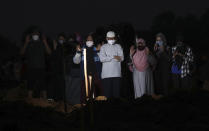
(77, 58)
(188, 58)
(110, 66)
(93, 62)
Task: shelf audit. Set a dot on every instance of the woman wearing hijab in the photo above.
(72, 72)
(57, 87)
(162, 71)
(141, 67)
(94, 67)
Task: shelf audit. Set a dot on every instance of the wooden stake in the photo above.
(90, 82)
(85, 73)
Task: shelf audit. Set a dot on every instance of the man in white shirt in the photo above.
(111, 56)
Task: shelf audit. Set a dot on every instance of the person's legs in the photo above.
(68, 81)
(136, 83)
(51, 86)
(107, 87)
(98, 86)
(165, 83)
(83, 92)
(149, 83)
(186, 82)
(60, 89)
(30, 86)
(73, 89)
(176, 81)
(139, 83)
(31, 82)
(116, 87)
(41, 83)
(158, 82)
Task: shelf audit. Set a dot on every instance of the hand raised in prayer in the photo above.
(27, 39)
(48, 50)
(44, 39)
(132, 50)
(175, 53)
(147, 51)
(155, 47)
(98, 47)
(55, 44)
(78, 48)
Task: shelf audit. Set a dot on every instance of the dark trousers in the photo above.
(162, 81)
(36, 80)
(112, 87)
(73, 90)
(56, 89)
(179, 82)
(96, 88)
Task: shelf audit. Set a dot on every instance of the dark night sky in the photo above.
(55, 16)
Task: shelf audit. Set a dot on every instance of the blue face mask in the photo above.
(159, 43)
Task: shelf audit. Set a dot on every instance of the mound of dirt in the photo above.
(20, 116)
(183, 111)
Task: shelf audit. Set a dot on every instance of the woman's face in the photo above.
(158, 39)
(89, 41)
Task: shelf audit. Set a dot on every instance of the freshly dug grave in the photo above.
(182, 110)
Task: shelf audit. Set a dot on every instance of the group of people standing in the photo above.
(155, 73)
(103, 64)
(152, 70)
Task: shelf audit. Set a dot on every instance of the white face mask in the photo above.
(89, 43)
(111, 42)
(61, 41)
(35, 37)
